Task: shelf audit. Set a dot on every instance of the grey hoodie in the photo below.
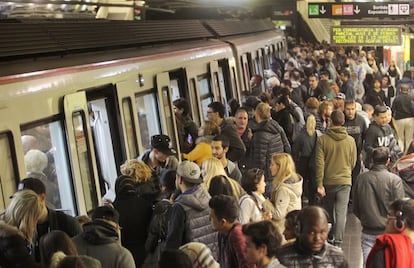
(100, 240)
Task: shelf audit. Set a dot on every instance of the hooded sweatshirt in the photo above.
(336, 156)
(100, 240)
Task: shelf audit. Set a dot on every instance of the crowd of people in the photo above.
(267, 183)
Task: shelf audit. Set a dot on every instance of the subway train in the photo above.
(78, 98)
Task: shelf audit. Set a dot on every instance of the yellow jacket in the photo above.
(201, 152)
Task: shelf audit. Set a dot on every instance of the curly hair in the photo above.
(35, 161)
(137, 170)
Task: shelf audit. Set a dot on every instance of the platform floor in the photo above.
(352, 241)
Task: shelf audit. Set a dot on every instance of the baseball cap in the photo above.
(162, 143)
(189, 171)
(106, 213)
(33, 184)
(340, 95)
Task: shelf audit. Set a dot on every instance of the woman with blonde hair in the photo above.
(211, 168)
(287, 187)
(137, 170)
(17, 227)
(303, 154)
(146, 185)
(202, 150)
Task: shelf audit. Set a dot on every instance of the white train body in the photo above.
(91, 111)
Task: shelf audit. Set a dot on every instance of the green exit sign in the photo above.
(313, 10)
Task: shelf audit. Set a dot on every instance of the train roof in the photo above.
(28, 39)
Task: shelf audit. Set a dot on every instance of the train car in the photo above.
(78, 98)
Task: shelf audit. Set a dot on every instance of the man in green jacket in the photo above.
(336, 156)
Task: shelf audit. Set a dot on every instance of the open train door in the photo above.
(81, 151)
(167, 117)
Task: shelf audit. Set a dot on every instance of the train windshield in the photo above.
(45, 157)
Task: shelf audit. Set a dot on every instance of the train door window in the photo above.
(266, 59)
(85, 165)
(103, 143)
(168, 113)
(206, 96)
(246, 72)
(148, 117)
(194, 102)
(257, 66)
(175, 89)
(46, 158)
(234, 79)
(225, 79)
(129, 127)
(7, 172)
(274, 51)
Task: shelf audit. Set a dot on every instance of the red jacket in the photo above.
(397, 250)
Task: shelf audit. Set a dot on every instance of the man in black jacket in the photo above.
(356, 127)
(50, 219)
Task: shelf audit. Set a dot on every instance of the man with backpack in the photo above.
(189, 214)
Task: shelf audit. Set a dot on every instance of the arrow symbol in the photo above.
(357, 10)
(322, 10)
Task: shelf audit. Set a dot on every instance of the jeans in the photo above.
(367, 242)
(336, 203)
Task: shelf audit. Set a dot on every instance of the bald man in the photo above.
(311, 248)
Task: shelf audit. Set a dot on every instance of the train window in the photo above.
(206, 96)
(7, 171)
(148, 117)
(85, 166)
(46, 158)
(129, 127)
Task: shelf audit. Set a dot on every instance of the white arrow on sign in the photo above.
(357, 10)
(322, 10)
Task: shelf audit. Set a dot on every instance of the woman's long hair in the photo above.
(286, 169)
(212, 167)
(311, 125)
(24, 212)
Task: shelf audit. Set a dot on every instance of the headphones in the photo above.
(399, 223)
(303, 214)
